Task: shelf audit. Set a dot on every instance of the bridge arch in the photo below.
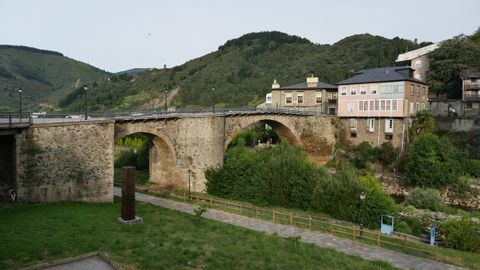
(283, 130)
(162, 159)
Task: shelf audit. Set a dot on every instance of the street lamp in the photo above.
(20, 102)
(189, 172)
(166, 92)
(213, 98)
(362, 199)
(85, 88)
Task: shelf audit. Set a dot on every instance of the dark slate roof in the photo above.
(320, 85)
(383, 74)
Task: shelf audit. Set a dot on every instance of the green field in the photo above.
(167, 240)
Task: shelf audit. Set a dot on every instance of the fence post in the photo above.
(435, 254)
(353, 232)
(331, 226)
(378, 238)
(273, 216)
(211, 201)
(404, 242)
(184, 195)
(291, 219)
(309, 222)
(241, 208)
(256, 211)
(197, 199)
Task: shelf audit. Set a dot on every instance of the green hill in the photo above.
(45, 77)
(242, 71)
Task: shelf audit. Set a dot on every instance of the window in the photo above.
(288, 98)
(389, 125)
(372, 105)
(422, 106)
(318, 97)
(350, 107)
(424, 91)
(411, 109)
(373, 89)
(333, 95)
(387, 107)
(394, 105)
(418, 63)
(473, 80)
(360, 105)
(382, 105)
(418, 90)
(353, 92)
(344, 91)
(300, 98)
(417, 107)
(365, 105)
(363, 90)
(353, 125)
(412, 89)
(376, 105)
(371, 125)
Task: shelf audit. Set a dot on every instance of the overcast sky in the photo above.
(117, 35)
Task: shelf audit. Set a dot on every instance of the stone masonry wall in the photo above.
(65, 162)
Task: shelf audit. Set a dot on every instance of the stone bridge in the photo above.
(74, 161)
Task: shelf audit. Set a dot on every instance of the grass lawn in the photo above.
(34, 233)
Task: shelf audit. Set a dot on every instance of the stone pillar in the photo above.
(128, 196)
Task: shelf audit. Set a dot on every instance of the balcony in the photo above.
(472, 95)
(472, 86)
(332, 100)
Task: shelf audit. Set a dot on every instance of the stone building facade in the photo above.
(376, 104)
(311, 95)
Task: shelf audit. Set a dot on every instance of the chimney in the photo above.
(275, 85)
(312, 81)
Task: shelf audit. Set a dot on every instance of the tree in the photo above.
(446, 63)
(422, 123)
(433, 162)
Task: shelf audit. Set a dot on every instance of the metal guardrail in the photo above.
(15, 120)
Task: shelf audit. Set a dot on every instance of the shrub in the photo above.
(432, 162)
(472, 167)
(377, 203)
(425, 198)
(280, 175)
(126, 158)
(339, 196)
(363, 154)
(463, 234)
(388, 153)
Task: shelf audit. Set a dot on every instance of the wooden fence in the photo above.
(400, 242)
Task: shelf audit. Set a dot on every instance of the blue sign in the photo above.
(386, 225)
(432, 236)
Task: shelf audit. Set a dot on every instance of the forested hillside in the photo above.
(45, 76)
(241, 71)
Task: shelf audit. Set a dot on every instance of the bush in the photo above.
(463, 234)
(126, 158)
(377, 203)
(425, 198)
(388, 153)
(472, 167)
(363, 154)
(280, 175)
(339, 196)
(432, 162)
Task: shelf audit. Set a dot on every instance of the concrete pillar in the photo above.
(128, 193)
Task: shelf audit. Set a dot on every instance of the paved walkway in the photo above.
(367, 252)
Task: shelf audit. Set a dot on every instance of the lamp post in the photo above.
(213, 99)
(20, 103)
(166, 92)
(362, 199)
(189, 172)
(85, 89)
